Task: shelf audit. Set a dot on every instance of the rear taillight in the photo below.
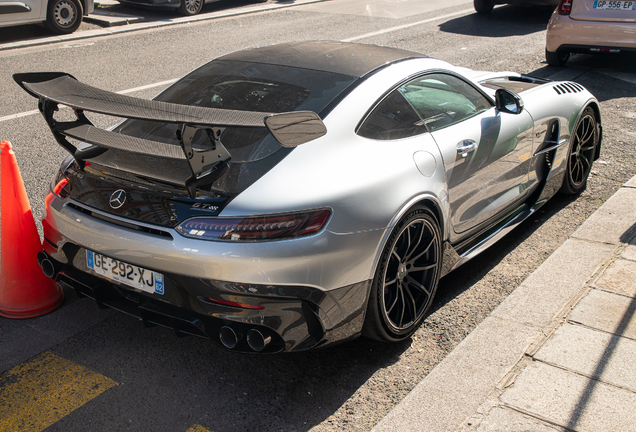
(565, 7)
(255, 228)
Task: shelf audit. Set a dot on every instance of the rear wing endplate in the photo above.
(57, 88)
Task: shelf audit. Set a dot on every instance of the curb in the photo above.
(485, 363)
(149, 25)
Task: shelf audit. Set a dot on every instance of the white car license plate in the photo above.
(127, 274)
(615, 5)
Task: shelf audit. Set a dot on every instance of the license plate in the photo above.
(614, 5)
(127, 274)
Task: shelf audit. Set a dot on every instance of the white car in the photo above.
(60, 16)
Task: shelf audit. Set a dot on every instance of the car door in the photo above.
(486, 153)
(22, 11)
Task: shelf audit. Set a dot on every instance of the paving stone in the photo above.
(620, 210)
(630, 251)
(572, 401)
(542, 295)
(609, 358)
(620, 277)
(505, 420)
(462, 380)
(608, 312)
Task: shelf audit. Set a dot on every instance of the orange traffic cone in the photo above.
(24, 290)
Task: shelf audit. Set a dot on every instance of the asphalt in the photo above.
(117, 23)
(557, 354)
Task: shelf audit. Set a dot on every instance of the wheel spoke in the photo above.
(428, 246)
(418, 285)
(388, 311)
(422, 268)
(403, 306)
(413, 304)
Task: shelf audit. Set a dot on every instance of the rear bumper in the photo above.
(566, 34)
(295, 318)
(308, 292)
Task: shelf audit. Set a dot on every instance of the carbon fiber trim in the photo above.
(68, 91)
(112, 140)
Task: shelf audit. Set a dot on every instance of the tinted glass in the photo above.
(442, 100)
(393, 118)
(244, 86)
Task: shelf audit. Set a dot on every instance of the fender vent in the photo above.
(568, 87)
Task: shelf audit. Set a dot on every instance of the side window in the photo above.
(393, 118)
(442, 100)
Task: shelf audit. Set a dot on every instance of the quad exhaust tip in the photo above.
(257, 341)
(46, 264)
(228, 337)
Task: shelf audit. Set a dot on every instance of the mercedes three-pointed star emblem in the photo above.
(117, 199)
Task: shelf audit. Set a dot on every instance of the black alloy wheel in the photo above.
(584, 141)
(406, 279)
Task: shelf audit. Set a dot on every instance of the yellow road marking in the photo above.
(38, 393)
(197, 428)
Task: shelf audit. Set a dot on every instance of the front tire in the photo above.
(190, 7)
(584, 141)
(557, 59)
(64, 16)
(406, 279)
(483, 6)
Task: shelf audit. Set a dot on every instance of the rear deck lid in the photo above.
(603, 10)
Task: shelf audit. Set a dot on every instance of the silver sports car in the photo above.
(292, 196)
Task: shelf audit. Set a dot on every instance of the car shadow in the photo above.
(503, 21)
(213, 387)
(474, 271)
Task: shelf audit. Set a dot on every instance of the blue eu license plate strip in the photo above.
(125, 273)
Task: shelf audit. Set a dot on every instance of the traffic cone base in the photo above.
(35, 310)
(25, 292)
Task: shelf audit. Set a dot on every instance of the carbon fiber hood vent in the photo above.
(568, 87)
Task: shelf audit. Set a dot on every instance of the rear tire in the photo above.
(64, 16)
(557, 59)
(484, 6)
(584, 141)
(406, 278)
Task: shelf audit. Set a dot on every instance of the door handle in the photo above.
(466, 147)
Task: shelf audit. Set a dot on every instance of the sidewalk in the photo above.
(558, 354)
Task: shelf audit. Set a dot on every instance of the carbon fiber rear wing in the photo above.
(55, 88)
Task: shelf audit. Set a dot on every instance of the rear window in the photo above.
(244, 86)
(235, 85)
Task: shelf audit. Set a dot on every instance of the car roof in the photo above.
(329, 56)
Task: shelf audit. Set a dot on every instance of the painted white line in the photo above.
(366, 35)
(401, 27)
(132, 90)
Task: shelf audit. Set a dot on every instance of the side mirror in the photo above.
(508, 102)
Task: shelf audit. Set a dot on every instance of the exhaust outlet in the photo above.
(228, 337)
(46, 264)
(257, 341)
